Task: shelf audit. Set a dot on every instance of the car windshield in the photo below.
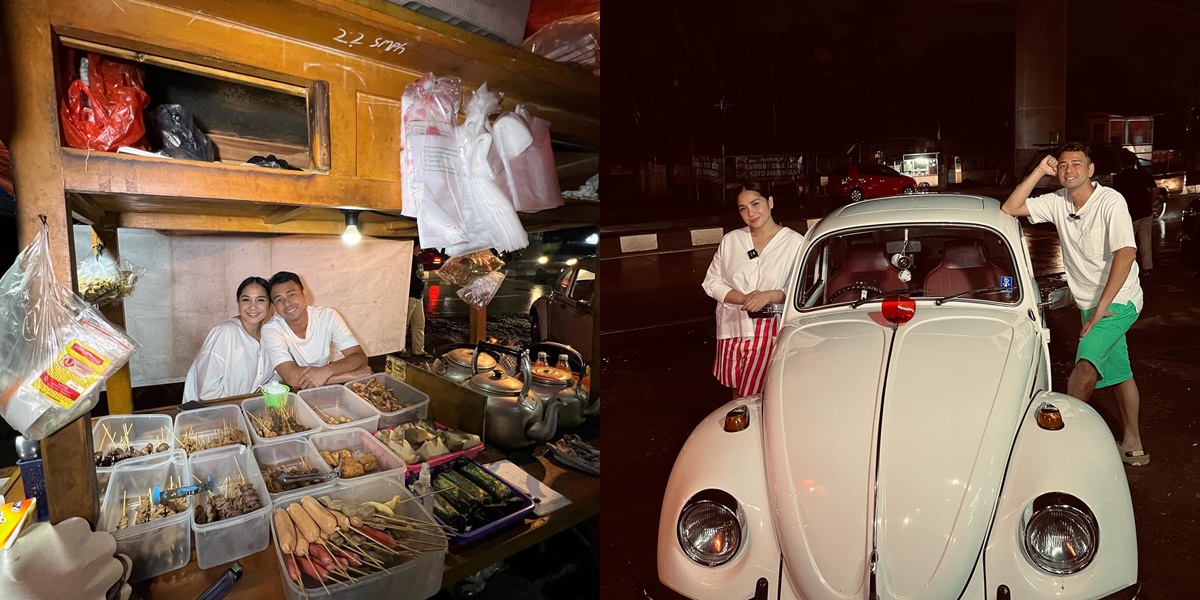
(970, 264)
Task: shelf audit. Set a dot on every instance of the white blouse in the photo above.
(733, 269)
(229, 364)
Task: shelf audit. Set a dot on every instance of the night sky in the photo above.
(803, 76)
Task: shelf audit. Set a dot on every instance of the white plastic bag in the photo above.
(55, 349)
(488, 212)
(523, 143)
(431, 169)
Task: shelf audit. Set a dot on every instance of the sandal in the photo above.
(1135, 458)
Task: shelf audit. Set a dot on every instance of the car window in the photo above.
(945, 260)
(584, 284)
(868, 170)
(563, 281)
(886, 170)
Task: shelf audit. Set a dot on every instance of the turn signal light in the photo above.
(737, 419)
(1048, 417)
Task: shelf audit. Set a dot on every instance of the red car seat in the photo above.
(865, 264)
(964, 267)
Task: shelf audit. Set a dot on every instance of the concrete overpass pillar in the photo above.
(1041, 90)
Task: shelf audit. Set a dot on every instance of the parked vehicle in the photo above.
(858, 181)
(907, 443)
(431, 259)
(565, 315)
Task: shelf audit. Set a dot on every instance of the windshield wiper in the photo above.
(991, 290)
(859, 302)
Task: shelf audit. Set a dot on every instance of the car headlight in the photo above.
(1060, 534)
(710, 532)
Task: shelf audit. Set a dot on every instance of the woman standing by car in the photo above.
(749, 271)
(230, 362)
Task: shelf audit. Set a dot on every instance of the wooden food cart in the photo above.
(316, 82)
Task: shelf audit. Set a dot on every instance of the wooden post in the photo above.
(478, 324)
(37, 163)
(119, 386)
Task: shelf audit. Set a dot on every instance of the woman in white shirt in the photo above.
(230, 362)
(749, 271)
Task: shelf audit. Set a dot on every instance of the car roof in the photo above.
(920, 208)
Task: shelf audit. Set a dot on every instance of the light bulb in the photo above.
(592, 239)
(351, 236)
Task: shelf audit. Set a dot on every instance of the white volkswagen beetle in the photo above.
(907, 444)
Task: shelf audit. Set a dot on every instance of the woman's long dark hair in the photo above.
(249, 280)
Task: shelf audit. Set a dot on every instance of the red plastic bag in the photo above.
(106, 112)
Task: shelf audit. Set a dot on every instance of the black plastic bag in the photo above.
(172, 130)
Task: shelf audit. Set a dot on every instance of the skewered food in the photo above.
(275, 421)
(234, 500)
(467, 497)
(226, 435)
(120, 449)
(144, 509)
(323, 545)
(378, 395)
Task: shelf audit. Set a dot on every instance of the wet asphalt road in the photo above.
(447, 317)
(658, 346)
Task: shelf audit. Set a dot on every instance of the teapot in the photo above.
(459, 364)
(550, 383)
(514, 416)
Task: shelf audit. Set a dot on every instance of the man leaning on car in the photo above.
(1098, 250)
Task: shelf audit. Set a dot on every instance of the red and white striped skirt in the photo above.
(742, 362)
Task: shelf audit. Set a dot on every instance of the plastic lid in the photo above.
(274, 387)
(496, 382)
(552, 376)
(464, 356)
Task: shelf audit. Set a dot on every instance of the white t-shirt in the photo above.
(1103, 227)
(229, 364)
(325, 326)
(733, 269)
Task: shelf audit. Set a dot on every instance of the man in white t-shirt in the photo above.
(1098, 251)
(297, 340)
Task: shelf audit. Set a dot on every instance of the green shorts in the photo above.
(1104, 345)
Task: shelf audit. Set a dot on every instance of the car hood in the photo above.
(930, 416)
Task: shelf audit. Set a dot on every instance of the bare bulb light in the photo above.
(351, 235)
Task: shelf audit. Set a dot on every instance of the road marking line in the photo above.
(656, 326)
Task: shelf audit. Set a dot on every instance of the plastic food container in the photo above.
(304, 416)
(414, 579)
(156, 546)
(291, 453)
(404, 394)
(471, 452)
(226, 540)
(339, 401)
(523, 509)
(205, 423)
(143, 429)
(359, 441)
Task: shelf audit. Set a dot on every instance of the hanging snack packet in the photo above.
(55, 349)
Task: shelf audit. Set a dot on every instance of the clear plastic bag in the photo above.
(102, 281)
(171, 129)
(461, 270)
(574, 39)
(488, 211)
(431, 170)
(480, 291)
(55, 349)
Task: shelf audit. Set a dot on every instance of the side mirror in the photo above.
(1059, 298)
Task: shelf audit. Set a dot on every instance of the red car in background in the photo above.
(859, 181)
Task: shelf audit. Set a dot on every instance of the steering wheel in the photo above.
(855, 287)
